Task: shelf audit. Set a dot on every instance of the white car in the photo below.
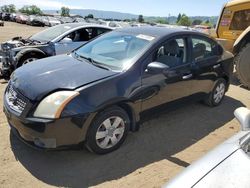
(50, 21)
(226, 166)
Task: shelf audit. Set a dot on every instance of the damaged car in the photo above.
(60, 39)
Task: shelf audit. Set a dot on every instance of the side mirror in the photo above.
(156, 67)
(243, 116)
(66, 40)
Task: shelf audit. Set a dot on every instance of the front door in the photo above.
(78, 38)
(173, 84)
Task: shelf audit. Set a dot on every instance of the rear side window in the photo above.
(203, 49)
(94, 32)
(241, 20)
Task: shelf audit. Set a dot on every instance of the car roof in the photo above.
(158, 32)
(83, 24)
(236, 2)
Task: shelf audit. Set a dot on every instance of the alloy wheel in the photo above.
(110, 132)
(219, 92)
(29, 60)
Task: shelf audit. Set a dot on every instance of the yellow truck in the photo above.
(233, 32)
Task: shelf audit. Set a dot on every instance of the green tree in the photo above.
(162, 21)
(184, 21)
(208, 23)
(65, 11)
(31, 10)
(178, 18)
(90, 16)
(127, 20)
(8, 8)
(197, 22)
(140, 19)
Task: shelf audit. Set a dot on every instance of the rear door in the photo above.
(206, 59)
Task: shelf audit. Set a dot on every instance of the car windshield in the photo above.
(51, 33)
(116, 50)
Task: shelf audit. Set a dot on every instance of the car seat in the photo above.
(199, 51)
(170, 54)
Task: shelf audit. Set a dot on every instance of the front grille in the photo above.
(15, 100)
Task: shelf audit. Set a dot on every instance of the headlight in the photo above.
(53, 105)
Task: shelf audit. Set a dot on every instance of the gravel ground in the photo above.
(166, 144)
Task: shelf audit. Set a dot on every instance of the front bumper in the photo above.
(47, 134)
(5, 66)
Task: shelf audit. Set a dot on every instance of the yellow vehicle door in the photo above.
(234, 20)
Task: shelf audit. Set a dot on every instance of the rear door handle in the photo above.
(216, 66)
(187, 76)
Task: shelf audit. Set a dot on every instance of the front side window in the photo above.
(80, 35)
(241, 20)
(115, 50)
(202, 49)
(173, 53)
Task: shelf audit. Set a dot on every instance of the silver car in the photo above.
(226, 166)
(60, 39)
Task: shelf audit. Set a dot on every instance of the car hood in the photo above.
(39, 78)
(18, 43)
(232, 172)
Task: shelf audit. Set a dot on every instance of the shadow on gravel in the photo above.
(161, 136)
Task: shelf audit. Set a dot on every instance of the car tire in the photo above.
(101, 137)
(242, 66)
(216, 96)
(27, 58)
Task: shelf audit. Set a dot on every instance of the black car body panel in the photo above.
(136, 90)
(57, 76)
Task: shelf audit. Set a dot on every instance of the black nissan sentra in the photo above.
(95, 95)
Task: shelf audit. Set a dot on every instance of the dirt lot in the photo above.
(165, 145)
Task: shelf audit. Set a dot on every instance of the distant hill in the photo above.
(121, 16)
(173, 19)
(99, 14)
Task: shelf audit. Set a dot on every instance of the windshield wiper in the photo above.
(100, 65)
(93, 62)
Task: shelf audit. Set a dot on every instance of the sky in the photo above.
(144, 7)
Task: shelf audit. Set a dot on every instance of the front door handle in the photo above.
(187, 76)
(216, 66)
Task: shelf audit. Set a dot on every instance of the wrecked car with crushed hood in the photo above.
(56, 40)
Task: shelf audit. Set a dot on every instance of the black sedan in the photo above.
(95, 95)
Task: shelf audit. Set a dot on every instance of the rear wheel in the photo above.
(242, 66)
(217, 94)
(108, 131)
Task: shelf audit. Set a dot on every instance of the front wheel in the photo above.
(216, 96)
(27, 58)
(108, 131)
